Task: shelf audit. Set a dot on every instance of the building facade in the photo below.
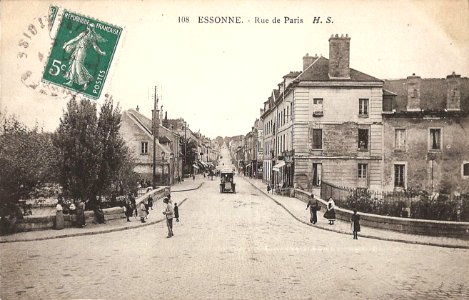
(325, 123)
(426, 134)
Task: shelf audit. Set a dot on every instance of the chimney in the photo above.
(308, 60)
(339, 56)
(160, 119)
(413, 92)
(137, 109)
(165, 121)
(453, 92)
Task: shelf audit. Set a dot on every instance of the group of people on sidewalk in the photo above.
(141, 210)
(77, 209)
(314, 207)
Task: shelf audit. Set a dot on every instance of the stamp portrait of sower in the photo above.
(78, 47)
(81, 55)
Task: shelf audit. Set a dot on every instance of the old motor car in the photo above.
(227, 182)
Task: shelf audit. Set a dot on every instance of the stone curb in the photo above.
(193, 189)
(362, 235)
(122, 228)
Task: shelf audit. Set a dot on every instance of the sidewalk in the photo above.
(297, 209)
(155, 216)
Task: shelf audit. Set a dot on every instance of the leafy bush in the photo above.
(422, 205)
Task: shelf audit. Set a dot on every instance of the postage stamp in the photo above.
(82, 54)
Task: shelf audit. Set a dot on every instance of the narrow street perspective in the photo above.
(234, 149)
(241, 246)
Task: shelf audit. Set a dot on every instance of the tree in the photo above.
(79, 149)
(93, 158)
(113, 150)
(26, 159)
(190, 146)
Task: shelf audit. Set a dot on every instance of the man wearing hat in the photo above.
(169, 213)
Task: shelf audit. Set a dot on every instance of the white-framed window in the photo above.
(400, 139)
(465, 169)
(362, 171)
(317, 174)
(317, 107)
(144, 148)
(435, 139)
(400, 175)
(363, 107)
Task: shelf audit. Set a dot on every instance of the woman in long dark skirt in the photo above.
(330, 211)
(80, 214)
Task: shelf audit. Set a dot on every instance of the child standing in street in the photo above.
(355, 223)
(176, 212)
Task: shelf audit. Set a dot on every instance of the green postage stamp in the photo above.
(81, 54)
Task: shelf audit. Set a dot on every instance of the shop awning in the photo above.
(277, 167)
(195, 166)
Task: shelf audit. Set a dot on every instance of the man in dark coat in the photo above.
(313, 208)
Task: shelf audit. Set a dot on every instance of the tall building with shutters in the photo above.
(325, 124)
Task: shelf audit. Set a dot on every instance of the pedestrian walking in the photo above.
(128, 209)
(142, 212)
(176, 212)
(169, 213)
(330, 211)
(150, 202)
(355, 223)
(268, 188)
(313, 209)
(80, 220)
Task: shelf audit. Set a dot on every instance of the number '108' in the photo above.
(183, 19)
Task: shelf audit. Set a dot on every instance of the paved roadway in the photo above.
(230, 246)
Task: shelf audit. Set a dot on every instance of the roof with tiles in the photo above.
(433, 93)
(145, 123)
(319, 71)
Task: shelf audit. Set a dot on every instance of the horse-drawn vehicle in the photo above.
(227, 182)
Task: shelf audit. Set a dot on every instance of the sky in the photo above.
(217, 76)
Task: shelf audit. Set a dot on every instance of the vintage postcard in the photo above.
(234, 149)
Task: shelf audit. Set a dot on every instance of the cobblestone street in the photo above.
(239, 245)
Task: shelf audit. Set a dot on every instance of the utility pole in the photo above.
(185, 148)
(154, 125)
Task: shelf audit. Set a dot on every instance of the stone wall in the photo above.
(30, 223)
(404, 225)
